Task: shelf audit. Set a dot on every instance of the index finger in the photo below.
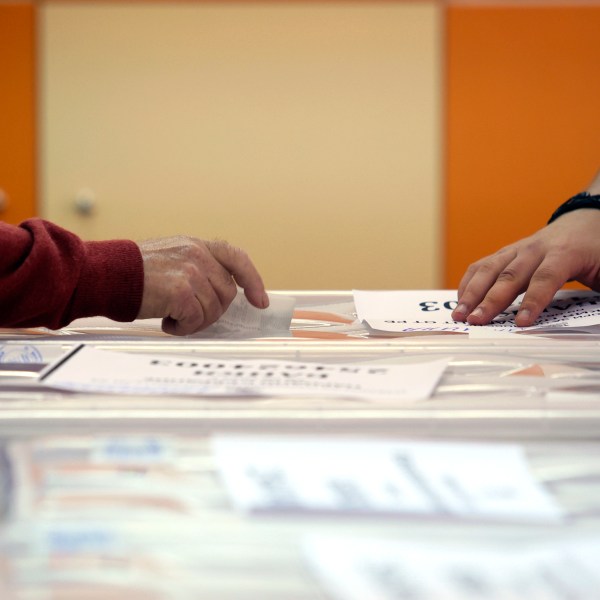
(246, 275)
(514, 279)
(479, 279)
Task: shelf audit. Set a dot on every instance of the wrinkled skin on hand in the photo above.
(189, 283)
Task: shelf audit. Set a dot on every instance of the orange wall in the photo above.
(17, 109)
(523, 121)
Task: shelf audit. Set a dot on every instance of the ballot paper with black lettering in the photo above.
(355, 569)
(428, 479)
(410, 311)
(88, 369)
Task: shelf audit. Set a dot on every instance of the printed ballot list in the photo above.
(355, 569)
(409, 311)
(88, 369)
(429, 479)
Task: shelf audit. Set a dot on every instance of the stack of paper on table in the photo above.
(429, 311)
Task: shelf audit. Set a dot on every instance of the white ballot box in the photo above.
(255, 459)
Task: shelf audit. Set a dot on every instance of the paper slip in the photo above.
(88, 369)
(466, 480)
(355, 569)
(243, 318)
(240, 320)
(408, 311)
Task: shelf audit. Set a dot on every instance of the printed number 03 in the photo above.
(431, 306)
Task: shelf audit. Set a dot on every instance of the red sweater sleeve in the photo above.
(49, 276)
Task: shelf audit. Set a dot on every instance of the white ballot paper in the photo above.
(88, 369)
(408, 311)
(355, 569)
(240, 320)
(428, 479)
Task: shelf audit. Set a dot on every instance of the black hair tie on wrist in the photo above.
(581, 200)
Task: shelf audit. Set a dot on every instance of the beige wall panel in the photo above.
(308, 134)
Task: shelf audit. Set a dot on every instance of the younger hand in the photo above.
(190, 282)
(539, 265)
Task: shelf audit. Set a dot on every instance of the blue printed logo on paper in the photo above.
(80, 540)
(20, 354)
(147, 450)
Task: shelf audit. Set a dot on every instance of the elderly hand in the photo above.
(567, 249)
(190, 282)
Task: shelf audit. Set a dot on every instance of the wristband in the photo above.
(581, 200)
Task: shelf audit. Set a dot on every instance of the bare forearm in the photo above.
(594, 187)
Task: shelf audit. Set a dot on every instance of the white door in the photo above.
(308, 134)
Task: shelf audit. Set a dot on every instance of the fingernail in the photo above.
(524, 317)
(265, 300)
(477, 314)
(461, 309)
